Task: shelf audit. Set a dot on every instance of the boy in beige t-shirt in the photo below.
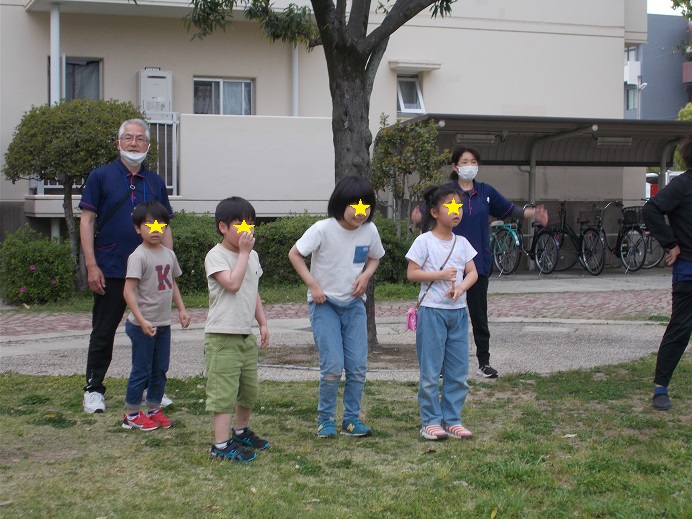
(230, 348)
(149, 289)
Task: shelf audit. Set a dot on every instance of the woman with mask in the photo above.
(480, 201)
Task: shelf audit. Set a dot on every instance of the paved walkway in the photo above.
(542, 324)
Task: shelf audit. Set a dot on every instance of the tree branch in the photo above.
(373, 65)
(402, 11)
(358, 19)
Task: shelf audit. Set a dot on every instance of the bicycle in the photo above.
(629, 246)
(654, 250)
(507, 245)
(568, 241)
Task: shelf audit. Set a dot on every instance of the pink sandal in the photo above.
(433, 432)
(458, 431)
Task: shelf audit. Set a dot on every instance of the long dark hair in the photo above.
(457, 155)
(433, 198)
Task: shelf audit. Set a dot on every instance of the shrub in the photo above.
(274, 240)
(35, 269)
(393, 265)
(193, 236)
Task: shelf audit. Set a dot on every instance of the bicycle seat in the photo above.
(583, 221)
(536, 224)
(496, 223)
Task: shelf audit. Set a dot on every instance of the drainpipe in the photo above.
(294, 66)
(54, 53)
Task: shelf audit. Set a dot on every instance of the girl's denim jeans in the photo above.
(442, 340)
(341, 336)
(150, 359)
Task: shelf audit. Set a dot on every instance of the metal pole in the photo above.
(54, 53)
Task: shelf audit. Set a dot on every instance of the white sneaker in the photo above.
(165, 401)
(93, 402)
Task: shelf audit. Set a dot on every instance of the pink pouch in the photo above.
(412, 319)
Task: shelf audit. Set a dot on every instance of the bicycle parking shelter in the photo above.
(555, 141)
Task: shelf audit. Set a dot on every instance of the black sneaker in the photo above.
(662, 402)
(234, 451)
(487, 372)
(250, 439)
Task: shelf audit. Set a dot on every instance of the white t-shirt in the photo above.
(155, 270)
(338, 255)
(430, 252)
(229, 312)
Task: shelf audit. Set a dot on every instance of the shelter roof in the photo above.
(556, 141)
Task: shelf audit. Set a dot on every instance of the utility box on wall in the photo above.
(155, 90)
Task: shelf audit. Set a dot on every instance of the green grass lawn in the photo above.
(577, 444)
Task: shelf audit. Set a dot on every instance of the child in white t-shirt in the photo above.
(346, 250)
(443, 263)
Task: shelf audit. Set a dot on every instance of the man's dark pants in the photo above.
(677, 335)
(477, 302)
(106, 316)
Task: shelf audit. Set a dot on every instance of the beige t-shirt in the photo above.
(155, 271)
(230, 312)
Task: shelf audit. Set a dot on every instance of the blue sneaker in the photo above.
(250, 439)
(355, 428)
(234, 451)
(326, 429)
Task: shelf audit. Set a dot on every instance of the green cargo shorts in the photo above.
(231, 362)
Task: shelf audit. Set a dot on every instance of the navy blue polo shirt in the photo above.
(479, 203)
(104, 189)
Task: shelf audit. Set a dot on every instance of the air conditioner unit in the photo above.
(155, 90)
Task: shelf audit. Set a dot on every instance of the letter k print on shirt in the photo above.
(163, 273)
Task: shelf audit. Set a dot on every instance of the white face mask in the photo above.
(133, 158)
(467, 173)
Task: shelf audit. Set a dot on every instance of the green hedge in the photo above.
(35, 269)
(195, 235)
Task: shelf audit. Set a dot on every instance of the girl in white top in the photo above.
(346, 249)
(443, 263)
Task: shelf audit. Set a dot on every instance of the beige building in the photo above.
(551, 58)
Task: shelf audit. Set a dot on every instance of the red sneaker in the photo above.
(139, 422)
(159, 418)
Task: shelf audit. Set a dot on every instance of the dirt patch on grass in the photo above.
(385, 356)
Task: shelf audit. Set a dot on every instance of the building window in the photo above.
(223, 96)
(630, 54)
(82, 78)
(632, 99)
(409, 95)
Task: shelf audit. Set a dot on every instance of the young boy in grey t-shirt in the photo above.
(149, 289)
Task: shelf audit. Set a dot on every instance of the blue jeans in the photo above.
(442, 340)
(341, 336)
(150, 359)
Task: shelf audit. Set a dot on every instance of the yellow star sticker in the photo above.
(360, 207)
(156, 226)
(453, 207)
(243, 227)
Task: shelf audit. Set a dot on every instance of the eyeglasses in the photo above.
(128, 139)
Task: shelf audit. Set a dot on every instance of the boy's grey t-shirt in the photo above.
(229, 312)
(155, 271)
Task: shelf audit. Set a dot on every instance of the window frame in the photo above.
(415, 79)
(220, 82)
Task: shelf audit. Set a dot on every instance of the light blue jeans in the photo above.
(341, 336)
(442, 340)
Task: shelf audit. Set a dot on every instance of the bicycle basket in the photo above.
(632, 215)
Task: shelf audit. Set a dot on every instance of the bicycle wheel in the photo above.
(593, 251)
(632, 249)
(567, 252)
(654, 251)
(506, 253)
(545, 251)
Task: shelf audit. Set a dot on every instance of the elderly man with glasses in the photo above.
(108, 238)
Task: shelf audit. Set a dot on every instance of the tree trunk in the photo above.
(72, 233)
